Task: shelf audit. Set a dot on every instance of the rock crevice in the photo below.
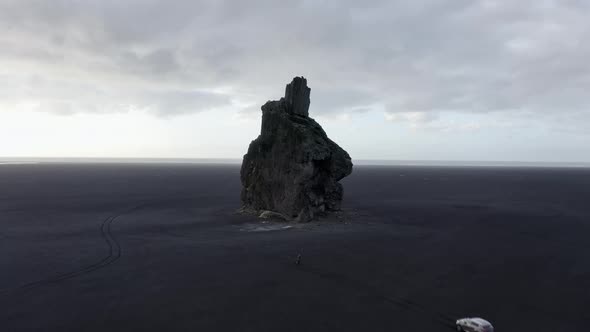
(293, 168)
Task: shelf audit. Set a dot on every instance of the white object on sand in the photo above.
(475, 324)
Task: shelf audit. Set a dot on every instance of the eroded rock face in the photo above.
(293, 168)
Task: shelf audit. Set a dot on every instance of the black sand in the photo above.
(420, 246)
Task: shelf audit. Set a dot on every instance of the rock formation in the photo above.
(293, 168)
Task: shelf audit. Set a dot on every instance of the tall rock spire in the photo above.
(297, 96)
(293, 168)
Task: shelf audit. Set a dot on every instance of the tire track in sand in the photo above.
(114, 253)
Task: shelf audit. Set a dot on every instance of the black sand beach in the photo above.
(152, 247)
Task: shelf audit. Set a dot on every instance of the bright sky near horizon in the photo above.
(420, 80)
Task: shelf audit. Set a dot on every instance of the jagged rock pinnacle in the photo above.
(297, 96)
(293, 168)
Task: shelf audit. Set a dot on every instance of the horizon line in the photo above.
(360, 162)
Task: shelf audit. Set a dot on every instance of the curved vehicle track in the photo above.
(442, 318)
(114, 253)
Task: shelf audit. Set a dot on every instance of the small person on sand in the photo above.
(298, 260)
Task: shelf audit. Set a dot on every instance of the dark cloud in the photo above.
(407, 56)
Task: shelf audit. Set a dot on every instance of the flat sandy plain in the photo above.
(154, 247)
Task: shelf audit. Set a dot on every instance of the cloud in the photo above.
(416, 117)
(179, 101)
(419, 57)
(70, 96)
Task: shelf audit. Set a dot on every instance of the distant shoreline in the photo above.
(359, 162)
(18, 162)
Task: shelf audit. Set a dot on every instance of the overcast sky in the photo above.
(426, 79)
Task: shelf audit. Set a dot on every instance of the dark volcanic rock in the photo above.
(293, 168)
(297, 96)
